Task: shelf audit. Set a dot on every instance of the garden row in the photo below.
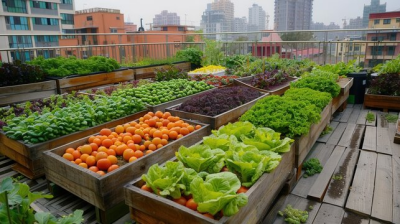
(97, 167)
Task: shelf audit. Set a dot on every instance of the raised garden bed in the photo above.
(147, 72)
(397, 135)
(26, 92)
(381, 101)
(304, 143)
(260, 198)
(219, 120)
(80, 82)
(340, 102)
(28, 157)
(106, 192)
(275, 90)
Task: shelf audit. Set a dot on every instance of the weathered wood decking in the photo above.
(360, 182)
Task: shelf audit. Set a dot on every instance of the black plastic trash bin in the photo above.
(357, 91)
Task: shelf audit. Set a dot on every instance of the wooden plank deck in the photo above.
(365, 184)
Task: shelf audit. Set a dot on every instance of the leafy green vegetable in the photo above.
(223, 141)
(251, 164)
(294, 216)
(62, 67)
(311, 167)
(320, 83)
(370, 117)
(218, 192)
(237, 129)
(341, 68)
(169, 180)
(202, 158)
(391, 118)
(289, 117)
(319, 99)
(15, 201)
(193, 55)
(390, 67)
(268, 139)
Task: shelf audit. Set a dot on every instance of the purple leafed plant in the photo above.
(219, 101)
(269, 79)
(386, 84)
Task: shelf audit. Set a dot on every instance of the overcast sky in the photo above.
(325, 11)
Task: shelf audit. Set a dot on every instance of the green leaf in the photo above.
(6, 185)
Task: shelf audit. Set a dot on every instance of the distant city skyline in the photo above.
(193, 10)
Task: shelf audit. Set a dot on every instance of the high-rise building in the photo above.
(381, 52)
(356, 23)
(375, 7)
(329, 35)
(166, 18)
(40, 22)
(293, 14)
(240, 25)
(257, 18)
(213, 21)
(228, 8)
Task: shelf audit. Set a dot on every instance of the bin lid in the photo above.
(357, 75)
(375, 74)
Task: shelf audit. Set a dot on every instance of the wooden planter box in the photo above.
(147, 207)
(304, 143)
(397, 135)
(106, 191)
(148, 72)
(345, 85)
(28, 157)
(219, 120)
(76, 83)
(25, 92)
(277, 90)
(163, 106)
(382, 101)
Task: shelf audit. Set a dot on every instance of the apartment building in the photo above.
(293, 14)
(166, 18)
(374, 7)
(380, 52)
(257, 18)
(31, 23)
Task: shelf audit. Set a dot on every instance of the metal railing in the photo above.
(132, 47)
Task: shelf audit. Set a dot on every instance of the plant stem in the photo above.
(8, 208)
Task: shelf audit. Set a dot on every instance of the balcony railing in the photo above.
(135, 46)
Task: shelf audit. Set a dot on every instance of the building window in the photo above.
(386, 21)
(356, 48)
(377, 50)
(68, 36)
(43, 5)
(20, 41)
(89, 18)
(22, 55)
(165, 28)
(68, 2)
(397, 20)
(67, 19)
(181, 28)
(113, 30)
(117, 17)
(45, 21)
(391, 50)
(376, 21)
(46, 39)
(392, 36)
(17, 23)
(18, 6)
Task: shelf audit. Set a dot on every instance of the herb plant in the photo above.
(166, 74)
(370, 117)
(87, 113)
(107, 91)
(340, 68)
(219, 101)
(386, 84)
(311, 167)
(19, 73)
(217, 81)
(319, 99)
(15, 201)
(391, 118)
(322, 84)
(149, 61)
(62, 67)
(212, 54)
(390, 67)
(268, 80)
(193, 55)
(294, 216)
